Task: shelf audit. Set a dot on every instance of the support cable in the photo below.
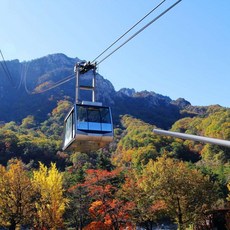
(134, 35)
(139, 31)
(24, 78)
(69, 78)
(5, 69)
(129, 30)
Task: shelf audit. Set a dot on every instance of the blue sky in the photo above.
(186, 53)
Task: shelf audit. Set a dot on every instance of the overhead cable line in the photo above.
(24, 78)
(72, 76)
(129, 30)
(139, 31)
(6, 70)
(3, 67)
(134, 35)
(22, 75)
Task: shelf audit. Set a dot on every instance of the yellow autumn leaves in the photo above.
(36, 200)
(228, 191)
(185, 191)
(16, 194)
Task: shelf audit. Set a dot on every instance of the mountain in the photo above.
(17, 100)
(31, 129)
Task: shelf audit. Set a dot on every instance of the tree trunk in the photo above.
(12, 225)
(180, 220)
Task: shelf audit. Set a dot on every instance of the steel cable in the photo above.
(55, 85)
(139, 31)
(6, 70)
(129, 30)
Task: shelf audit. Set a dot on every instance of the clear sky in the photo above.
(186, 53)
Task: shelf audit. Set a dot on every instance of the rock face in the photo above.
(127, 92)
(181, 103)
(18, 101)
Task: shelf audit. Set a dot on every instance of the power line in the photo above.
(23, 71)
(5, 69)
(69, 78)
(24, 77)
(129, 30)
(139, 31)
(134, 35)
(58, 83)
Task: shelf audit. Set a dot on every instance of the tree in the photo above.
(28, 122)
(105, 209)
(54, 125)
(228, 198)
(51, 204)
(144, 211)
(137, 145)
(185, 191)
(215, 124)
(77, 213)
(8, 145)
(27, 144)
(16, 195)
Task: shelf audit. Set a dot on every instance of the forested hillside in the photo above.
(122, 185)
(140, 179)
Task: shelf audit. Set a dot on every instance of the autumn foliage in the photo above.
(16, 195)
(50, 204)
(106, 210)
(36, 201)
(139, 180)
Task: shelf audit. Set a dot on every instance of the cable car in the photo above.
(88, 127)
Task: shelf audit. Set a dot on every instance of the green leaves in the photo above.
(185, 191)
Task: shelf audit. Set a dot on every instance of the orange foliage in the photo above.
(158, 206)
(107, 211)
(97, 225)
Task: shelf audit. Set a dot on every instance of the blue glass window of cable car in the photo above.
(94, 119)
(69, 128)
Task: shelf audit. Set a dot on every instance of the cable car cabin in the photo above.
(88, 127)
